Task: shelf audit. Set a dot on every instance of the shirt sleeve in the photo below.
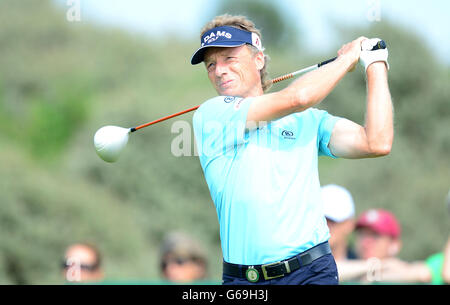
(326, 125)
(219, 126)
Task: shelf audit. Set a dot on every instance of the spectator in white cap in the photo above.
(339, 211)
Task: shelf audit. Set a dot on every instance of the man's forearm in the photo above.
(352, 270)
(313, 87)
(379, 117)
(398, 271)
(303, 93)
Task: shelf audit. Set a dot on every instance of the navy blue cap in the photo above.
(225, 36)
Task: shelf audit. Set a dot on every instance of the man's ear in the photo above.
(259, 60)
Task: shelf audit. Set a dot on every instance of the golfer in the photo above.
(259, 152)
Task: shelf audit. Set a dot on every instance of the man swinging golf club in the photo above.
(259, 152)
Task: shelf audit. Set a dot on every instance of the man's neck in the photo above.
(255, 91)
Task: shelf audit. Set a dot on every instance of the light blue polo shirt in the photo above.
(265, 182)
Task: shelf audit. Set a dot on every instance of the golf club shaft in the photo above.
(164, 118)
(380, 45)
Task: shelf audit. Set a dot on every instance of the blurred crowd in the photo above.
(365, 249)
(182, 260)
(376, 233)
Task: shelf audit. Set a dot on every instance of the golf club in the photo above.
(109, 141)
(380, 45)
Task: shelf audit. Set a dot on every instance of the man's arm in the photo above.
(397, 271)
(306, 91)
(391, 270)
(354, 270)
(351, 140)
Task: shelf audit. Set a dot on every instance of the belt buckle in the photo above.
(266, 277)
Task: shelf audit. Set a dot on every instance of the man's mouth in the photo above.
(225, 84)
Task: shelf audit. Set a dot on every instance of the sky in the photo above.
(430, 19)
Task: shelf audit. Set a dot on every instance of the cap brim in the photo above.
(200, 53)
(372, 226)
(335, 219)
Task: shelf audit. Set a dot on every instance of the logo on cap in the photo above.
(372, 216)
(225, 36)
(213, 37)
(256, 41)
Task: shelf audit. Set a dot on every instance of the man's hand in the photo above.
(351, 52)
(367, 57)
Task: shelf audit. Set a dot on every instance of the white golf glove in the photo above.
(367, 57)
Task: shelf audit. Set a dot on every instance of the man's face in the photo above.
(234, 71)
(183, 270)
(372, 244)
(81, 262)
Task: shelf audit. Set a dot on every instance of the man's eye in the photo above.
(210, 66)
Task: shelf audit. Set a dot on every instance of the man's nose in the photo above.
(367, 241)
(221, 68)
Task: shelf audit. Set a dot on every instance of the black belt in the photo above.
(257, 273)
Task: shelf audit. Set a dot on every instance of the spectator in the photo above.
(378, 241)
(182, 259)
(339, 212)
(82, 263)
(377, 235)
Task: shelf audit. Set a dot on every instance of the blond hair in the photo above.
(243, 23)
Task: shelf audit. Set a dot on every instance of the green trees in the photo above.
(277, 31)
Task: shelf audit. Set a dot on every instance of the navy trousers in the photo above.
(322, 271)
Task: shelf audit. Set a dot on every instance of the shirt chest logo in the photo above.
(229, 99)
(287, 134)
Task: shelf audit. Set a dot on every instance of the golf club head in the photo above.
(109, 141)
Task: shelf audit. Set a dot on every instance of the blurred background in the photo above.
(68, 68)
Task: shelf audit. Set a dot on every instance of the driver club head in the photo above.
(109, 142)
